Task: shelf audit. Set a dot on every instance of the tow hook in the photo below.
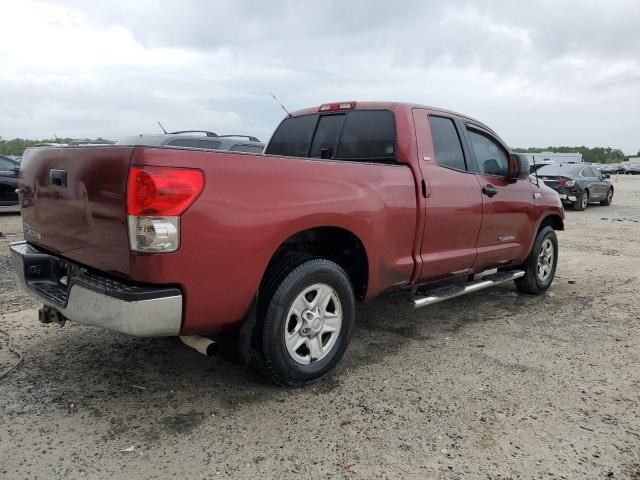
(50, 315)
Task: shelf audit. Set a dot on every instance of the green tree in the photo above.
(17, 146)
(591, 155)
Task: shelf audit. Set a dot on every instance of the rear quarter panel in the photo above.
(251, 204)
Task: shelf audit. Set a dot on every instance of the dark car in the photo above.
(8, 181)
(632, 168)
(200, 139)
(578, 185)
(612, 168)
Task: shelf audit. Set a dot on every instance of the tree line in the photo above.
(17, 146)
(590, 155)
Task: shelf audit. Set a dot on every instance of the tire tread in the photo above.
(275, 286)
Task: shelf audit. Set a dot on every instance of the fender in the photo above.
(551, 212)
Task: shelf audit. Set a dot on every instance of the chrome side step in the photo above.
(439, 294)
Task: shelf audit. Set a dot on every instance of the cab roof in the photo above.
(368, 105)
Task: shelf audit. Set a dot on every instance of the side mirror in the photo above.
(606, 175)
(518, 166)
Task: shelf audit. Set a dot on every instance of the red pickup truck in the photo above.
(268, 254)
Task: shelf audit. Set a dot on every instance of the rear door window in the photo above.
(446, 143)
(491, 157)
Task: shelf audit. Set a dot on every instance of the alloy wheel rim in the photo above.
(313, 324)
(545, 260)
(585, 199)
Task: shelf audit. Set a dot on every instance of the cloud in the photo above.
(550, 73)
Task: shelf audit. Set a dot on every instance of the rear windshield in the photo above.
(560, 169)
(195, 143)
(358, 135)
(243, 147)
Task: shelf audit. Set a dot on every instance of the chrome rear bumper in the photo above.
(90, 298)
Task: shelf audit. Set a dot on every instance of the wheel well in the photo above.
(335, 244)
(553, 221)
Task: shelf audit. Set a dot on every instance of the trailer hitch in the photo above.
(48, 315)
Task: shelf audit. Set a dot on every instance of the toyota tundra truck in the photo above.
(267, 254)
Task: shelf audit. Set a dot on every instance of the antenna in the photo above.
(535, 171)
(278, 102)
(162, 127)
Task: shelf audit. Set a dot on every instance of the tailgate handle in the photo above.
(58, 178)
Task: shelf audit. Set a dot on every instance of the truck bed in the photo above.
(250, 205)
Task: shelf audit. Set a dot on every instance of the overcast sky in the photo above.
(540, 73)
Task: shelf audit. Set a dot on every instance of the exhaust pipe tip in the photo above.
(205, 346)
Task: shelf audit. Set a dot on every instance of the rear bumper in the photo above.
(92, 298)
(568, 198)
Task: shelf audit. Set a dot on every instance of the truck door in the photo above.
(453, 198)
(508, 207)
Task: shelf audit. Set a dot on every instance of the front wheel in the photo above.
(306, 323)
(540, 266)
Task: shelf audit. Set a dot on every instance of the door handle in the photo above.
(426, 191)
(489, 190)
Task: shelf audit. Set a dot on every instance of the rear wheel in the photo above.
(582, 202)
(305, 324)
(540, 267)
(606, 202)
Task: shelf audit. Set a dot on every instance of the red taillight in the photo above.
(162, 191)
(329, 107)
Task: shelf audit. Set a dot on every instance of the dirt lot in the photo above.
(492, 385)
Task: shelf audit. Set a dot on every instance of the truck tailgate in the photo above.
(73, 204)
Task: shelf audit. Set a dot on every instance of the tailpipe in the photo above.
(204, 345)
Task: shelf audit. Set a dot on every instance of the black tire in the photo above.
(285, 281)
(533, 282)
(582, 202)
(609, 198)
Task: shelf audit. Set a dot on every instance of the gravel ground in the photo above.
(492, 385)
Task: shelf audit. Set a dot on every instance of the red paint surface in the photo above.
(252, 203)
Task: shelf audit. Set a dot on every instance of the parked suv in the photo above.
(8, 181)
(269, 255)
(578, 185)
(201, 139)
